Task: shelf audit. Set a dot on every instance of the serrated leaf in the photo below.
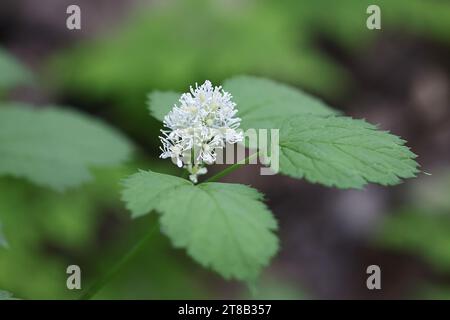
(144, 190)
(261, 103)
(343, 152)
(12, 72)
(56, 147)
(222, 226)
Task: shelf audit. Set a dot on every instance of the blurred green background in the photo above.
(397, 77)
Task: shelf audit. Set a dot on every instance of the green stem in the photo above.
(231, 168)
(103, 280)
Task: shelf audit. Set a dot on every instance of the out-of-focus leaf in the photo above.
(222, 226)
(271, 287)
(431, 192)
(433, 291)
(3, 242)
(55, 147)
(161, 102)
(422, 228)
(12, 73)
(5, 295)
(419, 233)
(338, 20)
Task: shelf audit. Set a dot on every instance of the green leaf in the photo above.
(343, 152)
(161, 102)
(143, 191)
(3, 242)
(261, 103)
(56, 147)
(223, 226)
(12, 72)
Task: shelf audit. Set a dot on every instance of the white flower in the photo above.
(203, 122)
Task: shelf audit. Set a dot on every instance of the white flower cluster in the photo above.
(203, 122)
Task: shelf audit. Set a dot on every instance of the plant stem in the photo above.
(103, 280)
(231, 168)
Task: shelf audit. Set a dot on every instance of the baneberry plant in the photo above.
(226, 226)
